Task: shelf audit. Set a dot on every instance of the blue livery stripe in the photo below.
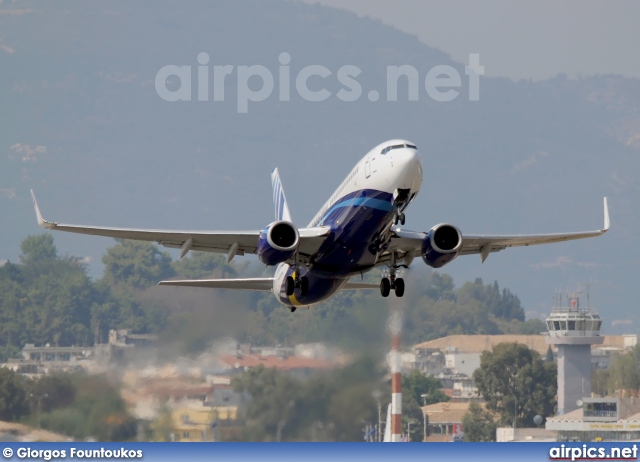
(362, 202)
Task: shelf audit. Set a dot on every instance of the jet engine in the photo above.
(278, 242)
(442, 244)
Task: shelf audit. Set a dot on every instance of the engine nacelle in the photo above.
(442, 244)
(278, 242)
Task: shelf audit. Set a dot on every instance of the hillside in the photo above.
(83, 125)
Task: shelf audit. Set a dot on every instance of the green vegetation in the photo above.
(516, 383)
(48, 298)
(93, 408)
(13, 395)
(329, 406)
(414, 386)
(622, 375)
(478, 424)
(77, 405)
(51, 299)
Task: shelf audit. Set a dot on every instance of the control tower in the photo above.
(573, 330)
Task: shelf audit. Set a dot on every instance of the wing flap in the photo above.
(259, 284)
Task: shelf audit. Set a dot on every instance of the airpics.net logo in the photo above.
(257, 83)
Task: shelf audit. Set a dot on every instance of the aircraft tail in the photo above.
(279, 201)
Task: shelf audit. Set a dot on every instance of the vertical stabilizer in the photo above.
(279, 201)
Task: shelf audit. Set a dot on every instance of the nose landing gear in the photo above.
(401, 197)
(294, 282)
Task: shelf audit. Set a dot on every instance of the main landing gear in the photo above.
(392, 282)
(397, 284)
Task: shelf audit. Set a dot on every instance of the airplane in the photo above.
(360, 227)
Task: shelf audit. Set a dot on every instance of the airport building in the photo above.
(573, 331)
(599, 419)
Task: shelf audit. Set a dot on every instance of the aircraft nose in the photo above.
(409, 158)
(410, 167)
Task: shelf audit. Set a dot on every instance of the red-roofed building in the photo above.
(296, 364)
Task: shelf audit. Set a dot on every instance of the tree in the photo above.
(97, 411)
(333, 406)
(600, 381)
(503, 305)
(38, 248)
(202, 264)
(478, 424)
(138, 264)
(624, 372)
(549, 356)
(349, 407)
(412, 418)
(417, 384)
(271, 409)
(55, 391)
(515, 383)
(13, 395)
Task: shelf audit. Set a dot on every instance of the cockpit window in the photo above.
(397, 146)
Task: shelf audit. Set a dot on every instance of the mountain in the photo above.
(83, 124)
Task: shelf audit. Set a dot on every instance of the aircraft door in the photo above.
(367, 169)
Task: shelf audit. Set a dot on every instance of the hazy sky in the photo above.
(520, 39)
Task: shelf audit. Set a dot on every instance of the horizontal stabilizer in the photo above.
(261, 284)
(359, 285)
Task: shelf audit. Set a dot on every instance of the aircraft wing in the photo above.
(230, 242)
(260, 284)
(411, 242)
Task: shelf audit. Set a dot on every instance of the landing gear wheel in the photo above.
(304, 286)
(293, 308)
(401, 218)
(290, 286)
(399, 287)
(385, 287)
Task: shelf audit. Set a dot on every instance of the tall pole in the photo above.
(39, 400)
(379, 427)
(395, 326)
(377, 394)
(424, 426)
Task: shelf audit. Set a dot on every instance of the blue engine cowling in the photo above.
(442, 244)
(278, 242)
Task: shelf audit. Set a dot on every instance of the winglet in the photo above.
(41, 221)
(607, 223)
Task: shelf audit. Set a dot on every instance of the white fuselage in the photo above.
(368, 191)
